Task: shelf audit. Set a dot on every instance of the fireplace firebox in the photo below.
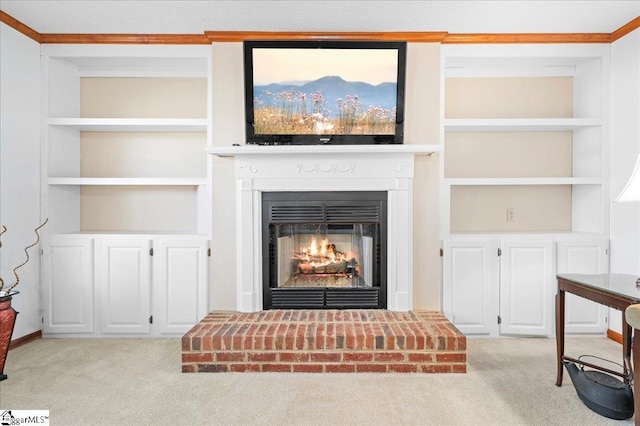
(324, 250)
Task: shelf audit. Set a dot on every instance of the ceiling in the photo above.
(195, 17)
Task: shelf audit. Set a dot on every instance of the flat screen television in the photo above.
(324, 92)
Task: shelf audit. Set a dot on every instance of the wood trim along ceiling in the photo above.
(20, 27)
(236, 36)
(526, 38)
(125, 39)
(625, 29)
(424, 37)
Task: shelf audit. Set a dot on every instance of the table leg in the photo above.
(636, 376)
(627, 333)
(559, 334)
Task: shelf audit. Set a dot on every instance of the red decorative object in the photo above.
(7, 321)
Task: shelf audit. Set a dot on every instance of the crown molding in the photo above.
(209, 37)
(20, 27)
(529, 38)
(125, 39)
(634, 24)
(419, 37)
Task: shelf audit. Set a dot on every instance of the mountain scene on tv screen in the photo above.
(328, 105)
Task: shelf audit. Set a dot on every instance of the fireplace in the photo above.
(260, 170)
(324, 250)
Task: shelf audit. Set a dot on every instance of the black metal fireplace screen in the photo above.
(324, 250)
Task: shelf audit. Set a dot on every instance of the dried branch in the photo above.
(26, 252)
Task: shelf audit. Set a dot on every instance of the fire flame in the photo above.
(322, 253)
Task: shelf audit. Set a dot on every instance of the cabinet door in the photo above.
(123, 277)
(179, 284)
(470, 277)
(583, 257)
(527, 287)
(68, 286)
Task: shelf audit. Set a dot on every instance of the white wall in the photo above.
(625, 146)
(20, 172)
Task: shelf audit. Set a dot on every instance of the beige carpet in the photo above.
(138, 382)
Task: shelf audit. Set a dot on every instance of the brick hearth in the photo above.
(324, 341)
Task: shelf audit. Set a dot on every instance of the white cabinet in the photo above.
(508, 286)
(123, 277)
(526, 287)
(583, 257)
(470, 274)
(141, 286)
(179, 283)
(68, 286)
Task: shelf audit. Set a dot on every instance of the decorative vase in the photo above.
(7, 321)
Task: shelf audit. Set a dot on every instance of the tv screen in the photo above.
(324, 92)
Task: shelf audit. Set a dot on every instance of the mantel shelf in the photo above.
(235, 151)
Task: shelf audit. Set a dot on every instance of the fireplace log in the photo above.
(343, 267)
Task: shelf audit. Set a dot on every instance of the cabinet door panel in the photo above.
(470, 280)
(123, 277)
(526, 287)
(180, 283)
(583, 257)
(68, 289)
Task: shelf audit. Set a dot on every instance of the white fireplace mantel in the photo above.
(387, 168)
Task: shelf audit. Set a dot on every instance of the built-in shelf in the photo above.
(518, 124)
(128, 181)
(524, 181)
(132, 124)
(232, 151)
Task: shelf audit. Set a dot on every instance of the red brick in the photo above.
(330, 340)
(325, 357)
(188, 368)
(357, 356)
(197, 357)
(241, 368)
(320, 333)
(261, 356)
(436, 368)
(280, 336)
(293, 356)
(284, 368)
(371, 368)
(340, 368)
(388, 356)
(270, 338)
(230, 356)
(213, 368)
(462, 343)
(459, 368)
(308, 368)
(290, 336)
(402, 368)
(420, 357)
(258, 338)
(301, 336)
(186, 343)
(449, 357)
